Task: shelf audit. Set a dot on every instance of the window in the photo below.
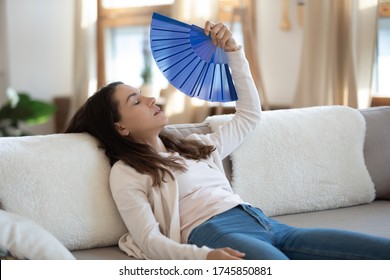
(382, 69)
(123, 32)
(123, 38)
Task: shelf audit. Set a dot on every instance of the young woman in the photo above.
(172, 193)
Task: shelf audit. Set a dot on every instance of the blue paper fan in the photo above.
(190, 61)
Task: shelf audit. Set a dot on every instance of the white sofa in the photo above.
(311, 167)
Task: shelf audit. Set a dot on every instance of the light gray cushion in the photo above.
(372, 218)
(377, 148)
(23, 239)
(183, 130)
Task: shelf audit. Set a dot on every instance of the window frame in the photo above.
(230, 11)
(384, 8)
(120, 17)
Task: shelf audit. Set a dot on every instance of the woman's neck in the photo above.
(155, 142)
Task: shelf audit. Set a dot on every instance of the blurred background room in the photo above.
(301, 52)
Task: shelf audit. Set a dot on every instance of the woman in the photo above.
(172, 193)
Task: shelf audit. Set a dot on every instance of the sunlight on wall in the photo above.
(134, 3)
(367, 4)
(195, 11)
(89, 16)
(364, 97)
(176, 103)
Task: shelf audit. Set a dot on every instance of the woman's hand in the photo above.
(221, 36)
(225, 254)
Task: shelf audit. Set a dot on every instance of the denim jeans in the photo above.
(247, 229)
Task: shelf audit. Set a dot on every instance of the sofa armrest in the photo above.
(377, 148)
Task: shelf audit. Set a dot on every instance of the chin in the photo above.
(164, 122)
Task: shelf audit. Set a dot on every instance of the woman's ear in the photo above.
(121, 129)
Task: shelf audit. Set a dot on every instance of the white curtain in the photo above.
(195, 11)
(85, 69)
(338, 53)
(179, 107)
(365, 39)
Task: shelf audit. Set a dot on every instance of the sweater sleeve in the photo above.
(248, 109)
(132, 193)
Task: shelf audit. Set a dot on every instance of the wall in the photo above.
(40, 49)
(40, 45)
(3, 56)
(280, 52)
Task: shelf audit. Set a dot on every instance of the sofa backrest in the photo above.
(376, 146)
(61, 181)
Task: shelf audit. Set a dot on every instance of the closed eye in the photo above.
(132, 96)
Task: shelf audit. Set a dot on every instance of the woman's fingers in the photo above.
(225, 254)
(234, 253)
(220, 35)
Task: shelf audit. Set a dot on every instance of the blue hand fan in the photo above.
(190, 61)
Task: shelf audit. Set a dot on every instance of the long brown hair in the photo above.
(97, 117)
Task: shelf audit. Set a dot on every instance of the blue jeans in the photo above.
(247, 229)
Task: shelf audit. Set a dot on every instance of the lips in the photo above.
(158, 111)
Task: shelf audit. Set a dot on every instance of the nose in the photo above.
(152, 101)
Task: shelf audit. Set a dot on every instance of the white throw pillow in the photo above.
(60, 182)
(302, 160)
(24, 239)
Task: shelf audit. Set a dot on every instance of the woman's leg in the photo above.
(240, 231)
(302, 243)
(334, 244)
(254, 248)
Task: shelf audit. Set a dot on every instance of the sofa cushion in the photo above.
(60, 182)
(183, 130)
(377, 148)
(23, 239)
(104, 253)
(371, 218)
(303, 160)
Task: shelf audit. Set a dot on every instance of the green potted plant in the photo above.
(20, 107)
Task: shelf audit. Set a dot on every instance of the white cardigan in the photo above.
(151, 214)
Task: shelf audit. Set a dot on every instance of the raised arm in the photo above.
(248, 107)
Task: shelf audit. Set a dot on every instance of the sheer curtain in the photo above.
(85, 69)
(179, 107)
(338, 53)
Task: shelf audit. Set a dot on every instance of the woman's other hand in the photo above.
(221, 36)
(225, 254)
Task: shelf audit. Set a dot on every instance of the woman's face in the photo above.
(140, 116)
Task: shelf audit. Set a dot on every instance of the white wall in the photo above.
(40, 48)
(280, 51)
(3, 56)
